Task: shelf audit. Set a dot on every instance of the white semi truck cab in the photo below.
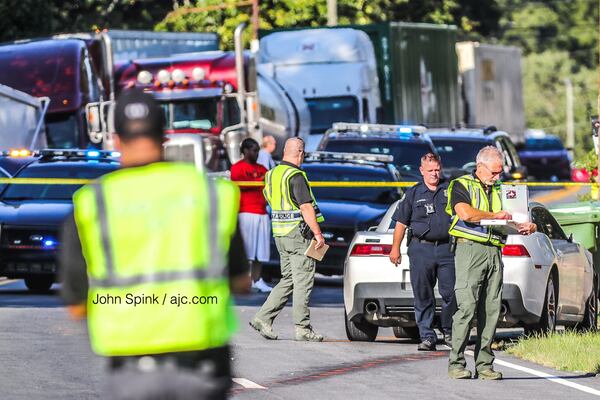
(334, 70)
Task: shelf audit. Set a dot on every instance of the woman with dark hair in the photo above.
(253, 219)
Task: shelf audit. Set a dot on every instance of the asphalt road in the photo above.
(46, 356)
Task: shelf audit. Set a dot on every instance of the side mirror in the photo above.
(372, 228)
(570, 238)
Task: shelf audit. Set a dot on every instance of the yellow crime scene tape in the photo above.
(333, 184)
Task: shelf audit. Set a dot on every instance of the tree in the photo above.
(473, 16)
(23, 19)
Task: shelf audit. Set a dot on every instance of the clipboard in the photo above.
(316, 254)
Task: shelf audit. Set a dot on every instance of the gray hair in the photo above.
(489, 154)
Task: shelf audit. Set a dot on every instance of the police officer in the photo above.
(422, 210)
(163, 254)
(295, 219)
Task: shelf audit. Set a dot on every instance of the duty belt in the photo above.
(433, 242)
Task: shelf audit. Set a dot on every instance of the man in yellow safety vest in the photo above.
(152, 255)
(295, 219)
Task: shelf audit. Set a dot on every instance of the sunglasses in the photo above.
(492, 172)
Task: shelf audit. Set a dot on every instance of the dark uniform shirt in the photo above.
(460, 194)
(424, 211)
(300, 192)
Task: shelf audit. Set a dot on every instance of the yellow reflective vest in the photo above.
(285, 215)
(155, 240)
(479, 200)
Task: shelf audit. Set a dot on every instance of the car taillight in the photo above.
(371, 250)
(515, 250)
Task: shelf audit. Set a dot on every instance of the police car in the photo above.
(406, 144)
(548, 280)
(31, 214)
(458, 149)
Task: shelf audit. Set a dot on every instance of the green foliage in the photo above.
(544, 93)
(30, 18)
(473, 16)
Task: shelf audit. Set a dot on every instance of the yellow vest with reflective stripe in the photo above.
(479, 200)
(285, 215)
(155, 240)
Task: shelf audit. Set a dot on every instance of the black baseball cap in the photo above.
(137, 114)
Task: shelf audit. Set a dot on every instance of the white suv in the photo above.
(548, 280)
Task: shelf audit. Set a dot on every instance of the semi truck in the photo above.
(211, 94)
(22, 120)
(416, 70)
(492, 91)
(62, 71)
(333, 70)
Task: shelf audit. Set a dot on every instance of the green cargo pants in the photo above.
(297, 277)
(478, 291)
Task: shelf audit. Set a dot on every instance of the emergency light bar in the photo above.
(68, 153)
(335, 156)
(16, 153)
(365, 128)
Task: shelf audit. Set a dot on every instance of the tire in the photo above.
(39, 284)
(406, 332)
(360, 331)
(590, 316)
(547, 323)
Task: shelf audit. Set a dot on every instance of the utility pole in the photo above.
(332, 16)
(570, 123)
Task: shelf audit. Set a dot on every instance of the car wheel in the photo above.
(547, 323)
(406, 332)
(360, 331)
(39, 284)
(590, 317)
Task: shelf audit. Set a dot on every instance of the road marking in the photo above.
(248, 384)
(551, 378)
(7, 281)
(556, 195)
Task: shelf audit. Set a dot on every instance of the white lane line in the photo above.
(248, 384)
(7, 281)
(551, 378)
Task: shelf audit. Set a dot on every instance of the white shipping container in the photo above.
(492, 87)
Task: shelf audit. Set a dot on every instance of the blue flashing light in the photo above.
(115, 154)
(405, 129)
(49, 243)
(93, 153)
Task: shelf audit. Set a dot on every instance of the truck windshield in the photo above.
(457, 153)
(324, 172)
(327, 110)
(62, 131)
(194, 114)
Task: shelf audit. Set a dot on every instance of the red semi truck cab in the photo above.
(195, 90)
(62, 70)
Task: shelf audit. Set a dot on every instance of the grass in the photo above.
(565, 351)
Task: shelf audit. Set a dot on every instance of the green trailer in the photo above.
(417, 69)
